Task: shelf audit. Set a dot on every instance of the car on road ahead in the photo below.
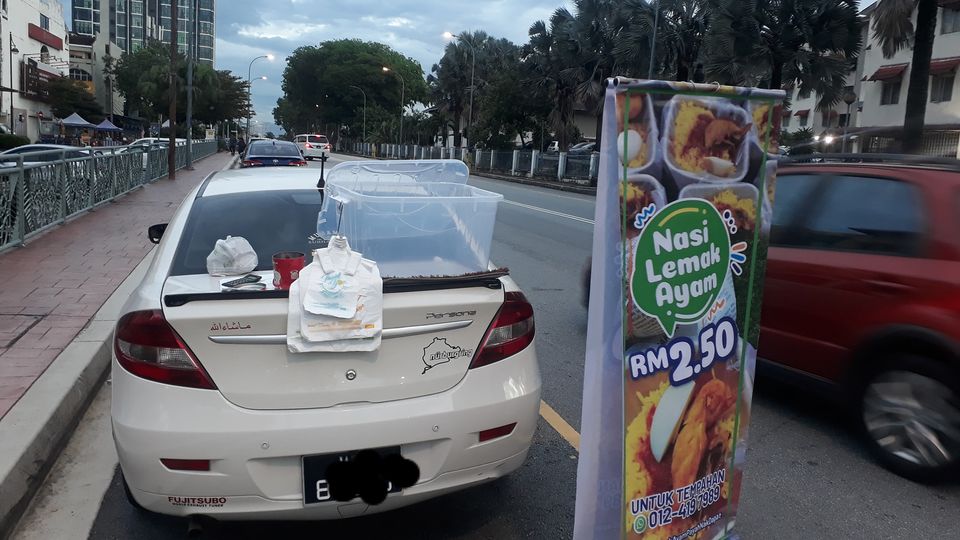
(270, 153)
(863, 292)
(213, 415)
(313, 146)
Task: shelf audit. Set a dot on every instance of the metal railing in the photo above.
(554, 167)
(39, 190)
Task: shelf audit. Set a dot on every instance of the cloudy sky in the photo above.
(249, 28)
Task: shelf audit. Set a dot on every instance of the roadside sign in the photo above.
(684, 202)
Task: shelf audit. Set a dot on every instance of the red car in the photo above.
(863, 291)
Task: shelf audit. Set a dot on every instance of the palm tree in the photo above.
(893, 28)
(447, 85)
(814, 43)
(549, 58)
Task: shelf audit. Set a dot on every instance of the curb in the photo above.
(572, 186)
(36, 429)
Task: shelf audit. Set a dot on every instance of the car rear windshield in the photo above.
(270, 148)
(271, 221)
(322, 139)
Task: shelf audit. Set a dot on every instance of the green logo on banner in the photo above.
(682, 259)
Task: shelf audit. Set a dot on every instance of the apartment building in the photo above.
(132, 23)
(33, 38)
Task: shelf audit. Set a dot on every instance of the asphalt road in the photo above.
(806, 477)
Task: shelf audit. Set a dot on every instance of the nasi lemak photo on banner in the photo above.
(684, 202)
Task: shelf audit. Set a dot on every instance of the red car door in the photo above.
(845, 260)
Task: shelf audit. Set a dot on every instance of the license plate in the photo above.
(315, 486)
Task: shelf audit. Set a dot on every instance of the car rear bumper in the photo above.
(256, 455)
(314, 152)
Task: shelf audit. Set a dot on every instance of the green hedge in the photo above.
(8, 141)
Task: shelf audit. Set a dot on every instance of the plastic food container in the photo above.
(654, 159)
(452, 171)
(756, 137)
(414, 229)
(741, 193)
(642, 190)
(720, 109)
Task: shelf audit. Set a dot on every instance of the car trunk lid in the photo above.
(432, 329)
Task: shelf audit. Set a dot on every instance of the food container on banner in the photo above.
(685, 111)
(640, 135)
(738, 197)
(769, 192)
(642, 190)
(759, 115)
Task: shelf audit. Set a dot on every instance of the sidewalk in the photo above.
(54, 285)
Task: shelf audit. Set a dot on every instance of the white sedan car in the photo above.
(212, 415)
(313, 146)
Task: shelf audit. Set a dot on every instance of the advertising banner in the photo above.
(685, 197)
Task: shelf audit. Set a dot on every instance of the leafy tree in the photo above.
(68, 96)
(549, 72)
(142, 77)
(508, 107)
(317, 84)
(894, 28)
(772, 42)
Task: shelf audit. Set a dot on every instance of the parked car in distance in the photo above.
(863, 292)
(252, 427)
(553, 147)
(52, 152)
(582, 148)
(270, 153)
(313, 146)
(144, 148)
(156, 140)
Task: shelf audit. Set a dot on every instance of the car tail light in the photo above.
(298, 163)
(148, 347)
(250, 163)
(511, 332)
(497, 432)
(308, 145)
(198, 465)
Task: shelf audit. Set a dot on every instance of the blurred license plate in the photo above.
(315, 487)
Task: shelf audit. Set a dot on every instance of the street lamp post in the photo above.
(13, 50)
(364, 110)
(402, 91)
(249, 83)
(473, 67)
(849, 98)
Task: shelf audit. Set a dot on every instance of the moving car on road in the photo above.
(213, 415)
(313, 146)
(270, 153)
(863, 292)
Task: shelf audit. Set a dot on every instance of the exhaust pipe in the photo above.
(194, 527)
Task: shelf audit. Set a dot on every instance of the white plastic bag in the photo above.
(231, 256)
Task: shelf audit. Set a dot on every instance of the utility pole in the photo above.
(174, 53)
(191, 22)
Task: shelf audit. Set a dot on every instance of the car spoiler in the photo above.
(489, 280)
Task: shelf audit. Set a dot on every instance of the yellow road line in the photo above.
(558, 423)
